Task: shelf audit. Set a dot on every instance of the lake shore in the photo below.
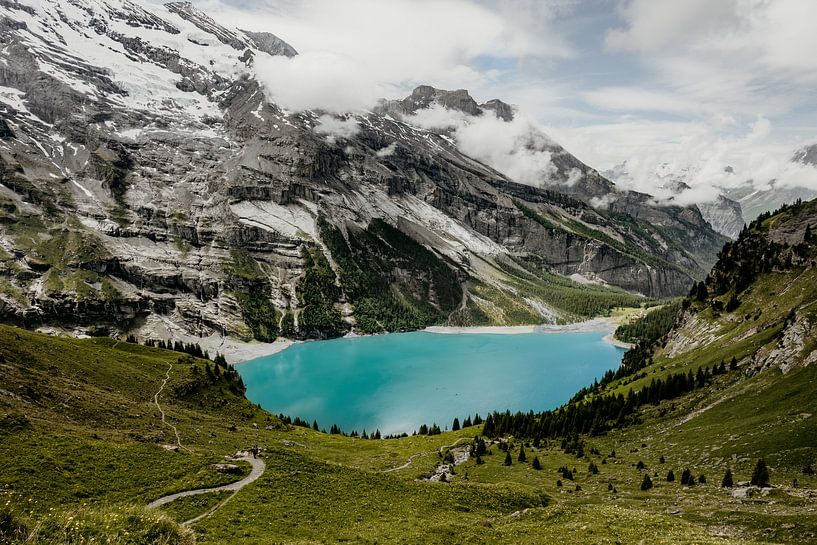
(601, 325)
(237, 352)
(595, 325)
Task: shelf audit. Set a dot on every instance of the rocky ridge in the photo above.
(761, 292)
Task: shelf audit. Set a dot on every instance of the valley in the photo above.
(67, 414)
(240, 306)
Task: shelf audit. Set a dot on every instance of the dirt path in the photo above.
(258, 468)
(414, 456)
(164, 418)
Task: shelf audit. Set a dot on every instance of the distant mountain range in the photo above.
(735, 206)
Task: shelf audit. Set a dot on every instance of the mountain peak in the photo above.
(426, 96)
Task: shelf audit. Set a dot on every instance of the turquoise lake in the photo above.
(397, 382)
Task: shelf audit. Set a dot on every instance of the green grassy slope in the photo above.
(81, 445)
(88, 447)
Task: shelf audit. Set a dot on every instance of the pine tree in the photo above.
(456, 425)
(700, 291)
(670, 476)
(760, 476)
(686, 477)
(508, 460)
(727, 479)
(522, 457)
(640, 465)
(315, 425)
(702, 479)
(535, 464)
(646, 484)
(661, 459)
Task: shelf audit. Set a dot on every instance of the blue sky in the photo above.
(695, 84)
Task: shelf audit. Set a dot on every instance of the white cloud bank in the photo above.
(356, 51)
(727, 83)
(519, 149)
(692, 152)
(337, 127)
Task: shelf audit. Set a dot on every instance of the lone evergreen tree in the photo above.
(535, 464)
(661, 459)
(646, 484)
(760, 476)
(670, 476)
(727, 479)
(508, 460)
(456, 425)
(686, 477)
(522, 457)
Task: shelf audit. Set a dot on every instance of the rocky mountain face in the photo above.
(755, 202)
(148, 185)
(460, 100)
(724, 215)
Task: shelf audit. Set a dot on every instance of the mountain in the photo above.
(757, 201)
(719, 382)
(149, 186)
(460, 100)
(725, 215)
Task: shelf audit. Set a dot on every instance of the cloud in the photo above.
(699, 154)
(336, 128)
(631, 99)
(739, 56)
(655, 25)
(356, 51)
(387, 151)
(518, 149)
